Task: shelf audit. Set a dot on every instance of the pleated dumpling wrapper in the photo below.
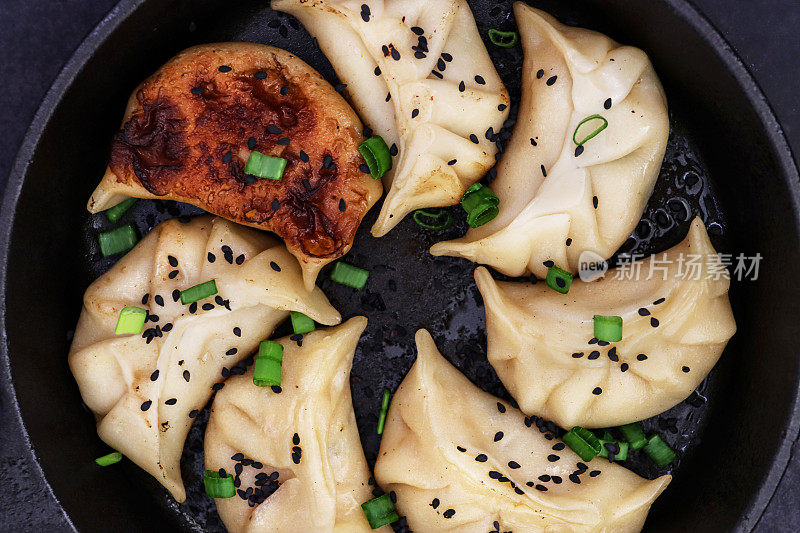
(191, 128)
(302, 435)
(559, 199)
(419, 75)
(146, 389)
(676, 321)
(460, 459)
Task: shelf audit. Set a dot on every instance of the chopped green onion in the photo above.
(301, 323)
(634, 434)
(117, 240)
(622, 452)
(591, 135)
(505, 39)
(265, 166)
(267, 370)
(380, 511)
(349, 275)
(480, 203)
(110, 459)
(130, 321)
(198, 292)
(608, 328)
(444, 217)
(659, 451)
(384, 408)
(583, 442)
(114, 213)
(558, 279)
(218, 486)
(376, 154)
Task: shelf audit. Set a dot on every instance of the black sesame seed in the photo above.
(539, 74)
(479, 80)
(577, 355)
(498, 436)
(594, 473)
(513, 465)
(283, 141)
(217, 386)
(284, 90)
(685, 369)
(435, 503)
(173, 262)
(607, 104)
(641, 357)
(193, 413)
(365, 12)
(232, 351)
(275, 204)
(208, 306)
(173, 274)
(154, 375)
(461, 449)
(395, 54)
(594, 355)
(276, 389)
(659, 301)
(159, 300)
(186, 376)
(364, 168)
(224, 68)
(193, 307)
(544, 171)
(261, 75)
(494, 474)
(597, 391)
(437, 74)
(388, 96)
(612, 354)
(146, 405)
(643, 312)
(559, 446)
(578, 150)
(414, 113)
(501, 407)
(462, 87)
(553, 458)
(623, 367)
(594, 201)
(251, 143)
(473, 138)
(481, 458)
(440, 64)
(502, 107)
(654, 322)
(419, 55)
(145, 298)
(549, 263)
(171, 401)
(551, 80)
(225, 372)
(275, 266)
(541, 488)
(239, 260)
(449, 513)
(533, 142)
(575, 479)
(393, 150)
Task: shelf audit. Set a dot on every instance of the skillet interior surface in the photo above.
(724, 163)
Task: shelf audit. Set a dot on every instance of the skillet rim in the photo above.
(685, 9)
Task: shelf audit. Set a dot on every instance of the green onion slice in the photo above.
(267, 368)
(583, 442)
(558, 279)
(265, 166)
(110, 459)
(114, 213)
(301, 324)
(130, 321)
(198, 292)
(608, 328)
(349, 275)
(600, 127)
(659, 451)
(117, 240)
(444, 219)
(480, 203)
(380, 511)
(384, 408)
(634, 434)
(504, 39)
(376, 154)
(217, 486)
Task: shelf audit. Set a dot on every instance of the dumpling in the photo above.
(676, 321)
(189, 130)
(558, 199)
(297, 445)
(461, 460)
(418, 73)
(146, 389)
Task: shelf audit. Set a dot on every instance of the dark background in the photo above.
(38, 36)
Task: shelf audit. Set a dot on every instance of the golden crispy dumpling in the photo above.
(300, 462)
(146, 389)
(461, 460)
(189, 129)
(677, 320)
(558, 199)
(419, 75)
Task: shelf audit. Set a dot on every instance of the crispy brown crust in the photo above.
(186, 135)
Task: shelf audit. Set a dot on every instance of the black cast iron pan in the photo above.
(727, 161)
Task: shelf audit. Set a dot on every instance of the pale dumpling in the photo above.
(146, 389)
(419, 75)
(460, 459)
(294, 449)
(676, 317)
(558, 199)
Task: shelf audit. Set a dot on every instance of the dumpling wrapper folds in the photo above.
(183, 358)
(427, 116)
(460, 459)
(677, 320)
(557, 201)
(306, 433)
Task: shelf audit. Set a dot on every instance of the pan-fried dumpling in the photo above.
(418, 73)
(558, 199)
(189, 130)
(676, 321)
(294, 449)
(461, 460)
(146, 389)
